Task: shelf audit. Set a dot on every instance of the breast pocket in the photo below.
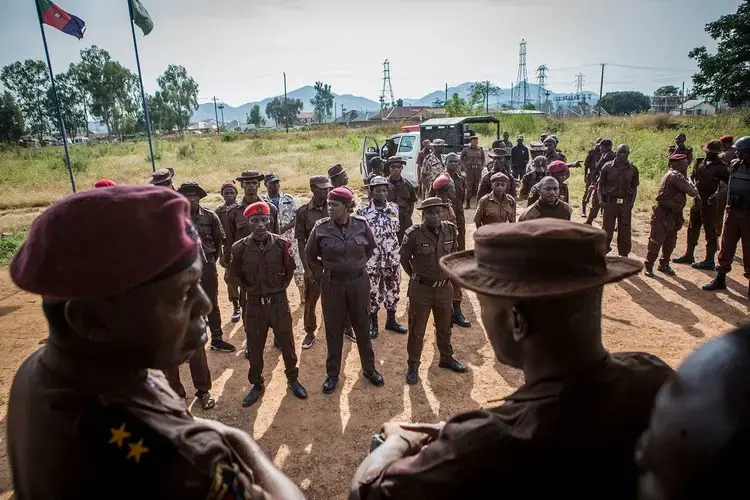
(361, 240)
(426, 250)
(274, 270)
(242, 225)
(447, 246)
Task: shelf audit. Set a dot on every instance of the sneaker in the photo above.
(236, 313)
(220, 345)
(308, 341)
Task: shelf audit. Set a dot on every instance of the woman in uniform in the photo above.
(342, 244)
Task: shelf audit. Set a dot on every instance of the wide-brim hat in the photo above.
(250, 175)
(538, 258)
(498, 153)
(437, 142)
(714, 146)
(192, 187)
(161, 176)
(335, 170)
(432, 202)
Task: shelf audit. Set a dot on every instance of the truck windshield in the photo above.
(407, 144)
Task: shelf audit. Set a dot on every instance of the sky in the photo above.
(237, 50)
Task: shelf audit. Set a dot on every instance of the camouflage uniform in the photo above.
(287, 213)
(432, 166)
(384, 265)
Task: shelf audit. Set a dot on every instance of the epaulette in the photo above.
(411, 229)
(321, 221)
(359, 217)
(451, 224)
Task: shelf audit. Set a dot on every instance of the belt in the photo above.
(268, 299)
(428, 282)
(344, 276)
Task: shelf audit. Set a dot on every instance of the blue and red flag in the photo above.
(54, 16)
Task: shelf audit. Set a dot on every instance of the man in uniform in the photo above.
(229, 194)
(457, 200)
(382, 267)
(737, 223)
(667, 218)
(592, 158)
(505, 143)
(499, 164)
(707, 174)
(729, 153)
(162, 178)
(536, 149)
(426, 149)
(472, 162)
(496, 206)
(263, 265)
(607, 155)
(287, 210)
(402, 193)
(549, 203)
(559, 170)
(519, 158)
(680, 148)
(433, 165)
(532, 178)
(617, 190)
(307, 215)
(572, 427)
(91, 414)
(338, 176)
(430, 289)
(551, 152)
(377, 169)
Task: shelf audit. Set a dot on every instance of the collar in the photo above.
(255, 247)
(244, 203)
(500, 201)
(201, 212)
(312, 206)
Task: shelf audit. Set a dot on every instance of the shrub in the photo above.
(9, 244)
(186, 151)
(230, 136)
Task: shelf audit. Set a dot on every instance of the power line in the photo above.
(649, 68)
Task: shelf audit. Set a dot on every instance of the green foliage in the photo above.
(186, 151)
(70, 97)
(255, 118)
(322, 102)
(479, 94)
(667, 90)
(284, 113)
(456, 106)
(9, 245)
(28, 82)
(725, 76)
(11, 119)
(230, 136)
(179, 91)
(528, 106)
(625, 103)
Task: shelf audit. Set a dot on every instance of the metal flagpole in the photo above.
(143, 93)
(57, 103)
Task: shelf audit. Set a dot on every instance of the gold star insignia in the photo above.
(119, 436)
(136, 450)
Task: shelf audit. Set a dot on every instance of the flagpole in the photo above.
(143, 93)
(54, 94)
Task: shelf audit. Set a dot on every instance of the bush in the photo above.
(230, 136)
(652, 122)
(9, 244)
(186, 151)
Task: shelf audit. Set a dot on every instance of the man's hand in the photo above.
(711, 199)
(432, 430)
(415, 440)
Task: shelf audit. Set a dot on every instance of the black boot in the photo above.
(458, 316)
(330, 384)
(412, 374)
(649, 269)
(666, 270)
(297, 389)
(719, 283)
(392, 325)
(688, 258)
(706, 265)
(237, 311)
(468, 204)
(254, 395)
(374, 325)
(218, 344)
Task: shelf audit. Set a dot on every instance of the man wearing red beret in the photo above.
(262, 264)
(679, 147)
(90, 413)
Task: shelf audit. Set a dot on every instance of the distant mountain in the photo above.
(503, 97)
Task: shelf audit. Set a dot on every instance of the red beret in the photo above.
(102, 242)
(727, 139)
(499, 176)
(678, 157)
(342, 194)
(441, 181)
(103, 183)
(557, 166)
(257, 208)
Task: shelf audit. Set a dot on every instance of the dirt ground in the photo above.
(320, 442)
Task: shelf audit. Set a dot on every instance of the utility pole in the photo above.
(221, 108)
(523, 77)
(601, 89)
(446, 94)
(286, 120)
(511, 95)
(216, 112)
(682, 99)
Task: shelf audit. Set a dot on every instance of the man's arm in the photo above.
(479, 214)
(370, 247)
(217, 235)
(312, 252)
(603, 174)
(235, 265)
(290, 264)
(230, 229)
(634, 186)
(274, 219)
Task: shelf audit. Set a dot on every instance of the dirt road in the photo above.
(320, 442)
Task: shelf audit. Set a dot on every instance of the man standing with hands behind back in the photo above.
(617, 191)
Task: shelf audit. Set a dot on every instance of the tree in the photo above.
(28, 81)
(11, 119)
(399, 103)
(529, 107)
(70, 99)
(322, 102)
(667, 90)
(666, 98)
(255, 118)
(180, 92)
(480, 93)
(162, 116)
(438, 103)
(284, 113)
(456, 106)
(725, 76)
(624, 103)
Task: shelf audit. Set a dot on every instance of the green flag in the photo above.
(141, 17)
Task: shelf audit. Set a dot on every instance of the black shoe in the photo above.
(468, 205)
(392, 325)
(374, 377)
(583, 211)
(297, 389)
(666, 270)
(276, 343)
(458, 316)
(648, 269)
(308, 341)
(237, 313)
(374, 325)
(706, 265)
(330, 385)
(254, 395)
(412, 375)
(220, 345)
(454, 365)
(685, 259)
(349, 334)
(719, 283)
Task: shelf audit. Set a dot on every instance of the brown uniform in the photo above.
(491, 210)
(485, 185)
(430, 290)
(307, 215)
(594, 176)
(233, 291)
(530, 180)
(404, 195)
(457, 203)
(737, 222)
(574, 436)
(707, 175)
(264, 270)
(617, 187)
(681, 150)
(472, 163)
(535, 193)
(592, 158)
(343, 252)
(109, 434)
(666, 219)
(539, 210)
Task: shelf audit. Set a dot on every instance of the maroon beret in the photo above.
(557, 166)
(103, 183)
(102, 242)
(341, 194)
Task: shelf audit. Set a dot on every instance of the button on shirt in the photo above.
(575, 436)
(307, 215)
(618, 181)
(338, 248)
(264, 268)
(425, 246)
(238, 227)
(472, 158)
(491, 210)
(384, 223)
(403, 194)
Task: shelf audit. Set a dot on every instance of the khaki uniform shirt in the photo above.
(538, 210)
(673, 191)
(262, 269)
(222, 212)
(618, 182)
(343, 249)
(573, 435)
(238, 226)
(424, 247)
(491, 210)
(472, 158)
(592, 158)
(307, 215)
(485, 185)
(210, 231)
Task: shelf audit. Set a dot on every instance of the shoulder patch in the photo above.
(321, 221)
(226, 484)
(411, 229)
(356, 216)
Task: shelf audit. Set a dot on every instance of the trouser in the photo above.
(423, 300)
(210, 284)
(665, 224)
(312, 294)
(721, 208)
(404, 222)
(198, 372)
(233, 290)
(385, 283)
(461, 224)
(595, 207)
(704, 214)
(519, 171)
(585, 192)
(344, 296)
(473, 178)
(619, 215)
(736, 228)
(259, 318)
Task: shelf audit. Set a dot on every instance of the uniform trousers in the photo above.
(473, 177)
(424, 300)
(342, 295)
(404, 223)
(736, 229)
(620, 215)
(385, 286)
(261, 317)
(461, 224)
(198, 372)
(312, 295)
(703, 214)
(233, 290)
(721, 209)
(665, 224)
(210, 284)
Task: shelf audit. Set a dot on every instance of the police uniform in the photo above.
(617, 187)
(592, 158)
(233, 291)
(404, 195)
(432, 166)
(307, 215)
(472, 161)
(538, 210)
(594, 176)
